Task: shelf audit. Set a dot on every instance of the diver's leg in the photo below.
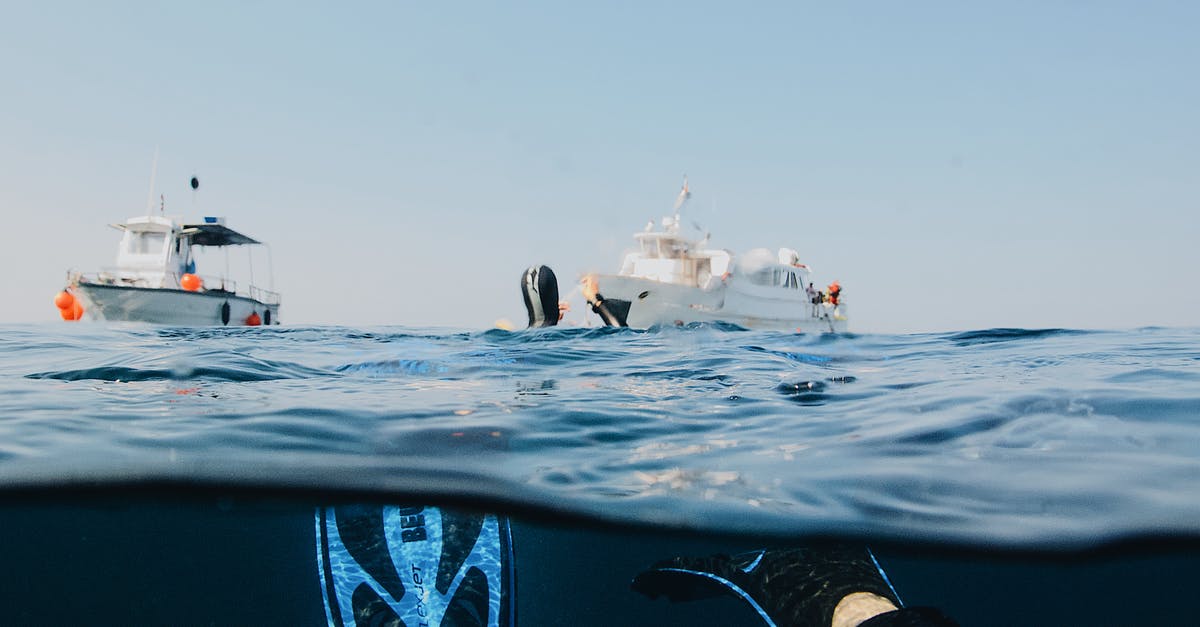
(842, 586)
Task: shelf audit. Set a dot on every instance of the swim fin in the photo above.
(786, 587)
(393, 565)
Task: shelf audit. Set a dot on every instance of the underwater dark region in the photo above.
(315, 475)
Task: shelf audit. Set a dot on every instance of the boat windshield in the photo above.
(775, 277)
(145, 242)
(665, 247)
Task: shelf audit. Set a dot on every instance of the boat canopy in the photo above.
(215, 234)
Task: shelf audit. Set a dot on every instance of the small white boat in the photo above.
(155, 280)
(671, 279)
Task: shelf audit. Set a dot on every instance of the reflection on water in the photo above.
(254, 559)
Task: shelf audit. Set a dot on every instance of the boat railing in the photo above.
(264, 296)
(223, 284)
(212, 283)
(826, 310)
(111, 276)
(170, 280)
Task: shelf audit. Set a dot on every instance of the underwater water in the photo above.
(1005, 476)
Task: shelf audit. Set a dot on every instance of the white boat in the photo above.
(671, 279)
(155, 280)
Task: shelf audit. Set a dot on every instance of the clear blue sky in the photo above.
(955, 165)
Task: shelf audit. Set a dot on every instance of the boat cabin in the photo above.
(156, 251)
(152, 252)
(669, 258)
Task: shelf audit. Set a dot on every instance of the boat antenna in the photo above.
(270, 268)
(153, 174)
(684, 195)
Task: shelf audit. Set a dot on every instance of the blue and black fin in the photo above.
(408, 566)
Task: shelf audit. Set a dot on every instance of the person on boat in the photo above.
(812, 298)
(835, 291)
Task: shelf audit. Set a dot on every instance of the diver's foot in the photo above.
(786, 587)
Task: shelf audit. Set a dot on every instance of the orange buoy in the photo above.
(64, 300)
(74, 312)
(253, 320)
(190, 282)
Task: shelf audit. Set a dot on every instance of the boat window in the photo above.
(762, 277)
(146, 242)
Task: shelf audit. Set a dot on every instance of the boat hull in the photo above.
(171, 306)
(656, 303)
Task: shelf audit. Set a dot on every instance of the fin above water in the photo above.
(539, 289)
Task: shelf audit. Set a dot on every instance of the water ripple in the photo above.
(995, 436)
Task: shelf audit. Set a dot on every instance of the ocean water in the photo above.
(1007, 476)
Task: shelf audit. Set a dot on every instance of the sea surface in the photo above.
(1050, 445)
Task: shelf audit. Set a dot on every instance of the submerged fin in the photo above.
(393, 565)
(785, 587)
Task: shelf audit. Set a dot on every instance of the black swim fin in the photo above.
(539, 289)
(786, 587)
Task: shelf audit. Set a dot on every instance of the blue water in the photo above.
(1027, 439)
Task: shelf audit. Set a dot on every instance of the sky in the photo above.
(953, 165)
